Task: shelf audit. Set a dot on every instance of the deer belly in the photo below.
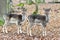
(37, 21)
(13, 20)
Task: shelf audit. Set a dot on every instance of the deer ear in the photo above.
(49, 8)
(46, 8)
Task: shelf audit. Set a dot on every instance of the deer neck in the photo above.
(23, 16)
(47, 16)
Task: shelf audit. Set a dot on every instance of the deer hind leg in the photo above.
(17, 27)
(30, 26)
(20, 29)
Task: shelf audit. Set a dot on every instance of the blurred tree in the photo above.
(29, 2)
(20, 4)
(55, 0)
(43, 1)
(3, 4)
(36, 10)
(9, 4)
(3, 10)
(38, 1)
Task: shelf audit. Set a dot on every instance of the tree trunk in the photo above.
(3, 8)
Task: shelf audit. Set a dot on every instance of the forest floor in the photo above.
(52, 28)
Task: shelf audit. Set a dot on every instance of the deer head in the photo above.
(47, 10)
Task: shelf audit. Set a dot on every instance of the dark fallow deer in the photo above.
(41, 19)
(14, 18)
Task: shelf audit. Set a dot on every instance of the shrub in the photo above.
(1, 22)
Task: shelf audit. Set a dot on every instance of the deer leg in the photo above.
(20, 29)
(28, 27)
(6, 30)
(44, 30)
(30, 33)
(27, 31)
(5, 26)
(3, 29)
(17, 27)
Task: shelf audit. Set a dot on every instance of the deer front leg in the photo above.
(5, 27)
(20, 29)
(17, 26)
(30, 31)
(6, 30)
(27, 31)
(44, 30)
(31, 25)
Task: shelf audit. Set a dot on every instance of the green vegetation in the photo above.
(1, 22)
(20, 4)
(38, 1)
(29, 2)
(36, 10)
(43, 1)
